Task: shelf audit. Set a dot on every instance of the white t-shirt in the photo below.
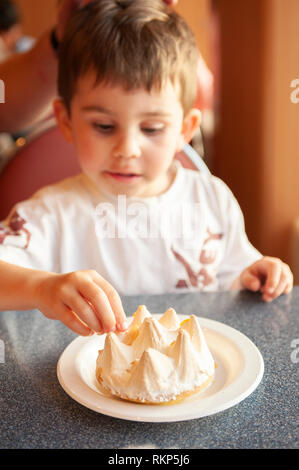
(190, 238)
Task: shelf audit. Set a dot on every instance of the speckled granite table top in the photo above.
(36, 413)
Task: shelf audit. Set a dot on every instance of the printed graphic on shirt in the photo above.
(13, 231)
(204, 276)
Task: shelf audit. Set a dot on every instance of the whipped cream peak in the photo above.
(116, 355)
(186, 358)
(140, 314)
(138, 318)
(192, 327)
(151, 373)
(170, 319)
(152, 335)
(182, 348)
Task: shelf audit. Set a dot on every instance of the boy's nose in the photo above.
(127, 147)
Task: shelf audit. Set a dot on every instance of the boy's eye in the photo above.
(105, 128)
(152, 130)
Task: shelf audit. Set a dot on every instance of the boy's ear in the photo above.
(63, 119)
(190, 124)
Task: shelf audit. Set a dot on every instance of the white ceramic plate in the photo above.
(239, 370)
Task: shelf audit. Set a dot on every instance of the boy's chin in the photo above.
(138, 187)
(114, 188)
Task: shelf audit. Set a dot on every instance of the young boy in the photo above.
(134, 221)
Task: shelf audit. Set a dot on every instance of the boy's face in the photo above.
(126, 140)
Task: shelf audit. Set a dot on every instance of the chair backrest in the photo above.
(47, 158)
(44, 159)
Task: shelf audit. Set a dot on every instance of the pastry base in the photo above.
(182, 396)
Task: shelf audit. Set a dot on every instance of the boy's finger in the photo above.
(274, 270)
(120, 316)
(285, 283)
(71, 321)
(280, 289)
(84, 310)
(97, 297)
(290, 278)
(250, 281)
(115, 301)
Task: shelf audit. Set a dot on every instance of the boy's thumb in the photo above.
(250, 281)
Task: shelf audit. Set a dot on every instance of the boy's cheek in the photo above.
(87, 162)
(84, 147)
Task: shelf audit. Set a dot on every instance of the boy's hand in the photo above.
(270, 276)
(83, 300)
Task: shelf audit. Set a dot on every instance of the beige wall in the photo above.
(197, 14)
(281, 127)
(37, 15)
(256, 145)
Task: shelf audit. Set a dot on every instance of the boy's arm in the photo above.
(18, 287)
(83, 300)
(30, 254)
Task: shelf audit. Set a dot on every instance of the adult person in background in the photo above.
(10, 28)
(10, 34)
(12, 38)
(12, 41)
(30, 78)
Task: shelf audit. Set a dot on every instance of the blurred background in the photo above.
(250, 131)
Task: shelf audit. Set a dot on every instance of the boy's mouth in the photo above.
(124, 177)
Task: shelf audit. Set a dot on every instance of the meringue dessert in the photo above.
(156, 361)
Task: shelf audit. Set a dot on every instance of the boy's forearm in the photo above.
(19, 287)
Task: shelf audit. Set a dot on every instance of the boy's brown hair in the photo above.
(134, 43)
